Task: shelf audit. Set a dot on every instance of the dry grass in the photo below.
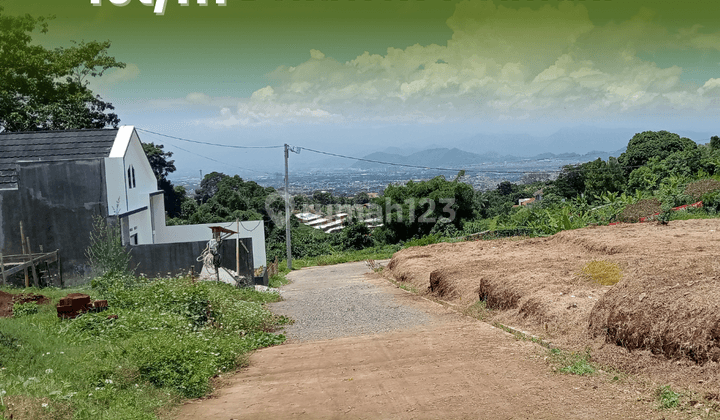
(698, 188)
(602, 272)
(642, 208)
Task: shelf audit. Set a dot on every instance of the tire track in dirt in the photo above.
(449, 367)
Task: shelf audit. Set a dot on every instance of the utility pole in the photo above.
(287, 209)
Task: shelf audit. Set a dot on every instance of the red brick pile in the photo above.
(75, 304)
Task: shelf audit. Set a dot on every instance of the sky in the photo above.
(357, 76)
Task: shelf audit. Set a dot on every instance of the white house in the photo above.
(133, 196)
(55, 182)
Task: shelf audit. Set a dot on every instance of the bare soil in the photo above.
(450, 367)
(661, 320)
(7, 300)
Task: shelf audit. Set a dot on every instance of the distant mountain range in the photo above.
(456, 158)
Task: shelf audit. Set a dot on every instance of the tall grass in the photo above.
(160, 341)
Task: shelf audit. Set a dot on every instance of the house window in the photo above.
(134, 239)
(131, 177)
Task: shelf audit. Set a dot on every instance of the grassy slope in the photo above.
(170, 337)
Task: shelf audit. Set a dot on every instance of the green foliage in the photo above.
(573, 363)
(652, 144)
(412, 210)
(477, 310)
(356, 236)
(169, 337)
(24, 309)
(222, 198)
(570, 182)
(45, 89)
(603, 177)
(715, 143)
(106, 253)
(667, 397)
(162, 166)
(425, 240)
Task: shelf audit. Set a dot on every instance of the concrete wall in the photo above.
(161, 260)
(56, 202)
(254, 229)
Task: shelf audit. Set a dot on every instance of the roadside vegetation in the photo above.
(159, 341)
(659, 177)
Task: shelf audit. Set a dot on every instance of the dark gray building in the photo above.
(54, 183)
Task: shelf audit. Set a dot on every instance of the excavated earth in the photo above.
(662, 320)
(7, 300)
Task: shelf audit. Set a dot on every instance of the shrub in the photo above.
(425, 240)
(642, 208)
(106, 252)
(24, 309)
(602, 272)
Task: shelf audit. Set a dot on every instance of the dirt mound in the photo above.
(7, 300)
(667, 303)
(442, 284)
(677, 316)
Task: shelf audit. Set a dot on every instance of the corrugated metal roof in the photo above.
(48, 146)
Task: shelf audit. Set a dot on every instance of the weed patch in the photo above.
(602, 272)
(24, 309)
(667, 397)
(573, 363)
(477, 310)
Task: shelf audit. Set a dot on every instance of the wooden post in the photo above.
(60, 272)
(237, 249)
(32, 265)
(24, 247)
(2, 267)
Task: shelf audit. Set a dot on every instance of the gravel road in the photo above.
(340, 301)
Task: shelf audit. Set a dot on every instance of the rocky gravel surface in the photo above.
(340, 302)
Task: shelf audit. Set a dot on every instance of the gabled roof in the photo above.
(48, 146)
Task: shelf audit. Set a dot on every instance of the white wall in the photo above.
(145, 181)
(254, 229)
(127, 150)
(115, 186)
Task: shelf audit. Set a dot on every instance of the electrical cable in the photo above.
(566, 168)
(208, 143)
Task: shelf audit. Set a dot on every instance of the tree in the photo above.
(715, 142)
(570, 181)
(413, 209)
(603, 177)
(648, 144)
(162, 167)
(209, 186)
(46, 89)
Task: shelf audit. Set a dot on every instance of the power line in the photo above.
(222, 163)
(404, 164)
(208, 143)
(576, 168)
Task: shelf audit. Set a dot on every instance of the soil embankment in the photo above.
(662, 318)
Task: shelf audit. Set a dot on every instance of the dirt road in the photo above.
(441, 365)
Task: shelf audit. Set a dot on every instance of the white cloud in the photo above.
(317, 55)
(198, 98)
(556, 65)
